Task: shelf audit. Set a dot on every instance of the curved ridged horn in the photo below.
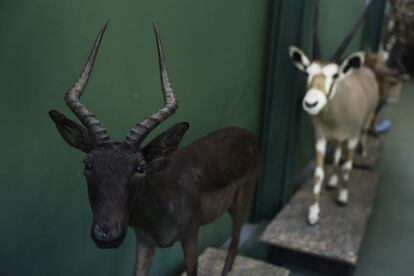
(138, 134)
(72, 97)
(347, 40)
(316, 36)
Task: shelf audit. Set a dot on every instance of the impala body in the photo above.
(163, 192)
(341, 98)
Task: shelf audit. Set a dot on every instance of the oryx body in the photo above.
(350, 109)
(341, 98)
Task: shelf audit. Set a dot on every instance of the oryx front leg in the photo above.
(346, 171)
(313, 215)
(334, 179)
(144, 254)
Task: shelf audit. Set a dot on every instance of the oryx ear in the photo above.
(299, 59)
(353, 62)
(74, 134)
(165, 143)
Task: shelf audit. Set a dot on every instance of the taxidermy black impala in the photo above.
(163, 192)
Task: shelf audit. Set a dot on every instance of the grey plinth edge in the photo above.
(340, 230)
(211, 262)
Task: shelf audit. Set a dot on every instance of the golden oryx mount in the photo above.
(341, 98)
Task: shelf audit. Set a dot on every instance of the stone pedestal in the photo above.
(211, 263)
(340, 230)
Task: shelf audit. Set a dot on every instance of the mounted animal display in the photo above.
(389, 81)
(163, 192)
(398, 41)
(341, 99)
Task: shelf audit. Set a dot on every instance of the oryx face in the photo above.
(321, 81)
(322, 78)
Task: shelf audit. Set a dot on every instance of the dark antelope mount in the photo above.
(163, 192)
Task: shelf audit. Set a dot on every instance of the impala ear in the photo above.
(165, 143)
(353, 62)
(299, 59)
(74, 134)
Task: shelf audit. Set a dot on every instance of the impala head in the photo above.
(116, 171)
(323, 77)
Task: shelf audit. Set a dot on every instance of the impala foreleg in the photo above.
(314, 209)
(144, 255)
(237, 212)
(237, 218)
(346, 171)
(189, 245)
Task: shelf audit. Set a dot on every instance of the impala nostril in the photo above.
(102, 233)
(97, 228)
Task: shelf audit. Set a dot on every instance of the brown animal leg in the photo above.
(364, 143)
(189, 245)
(144, 254)
(232, 251)
(375, 119)
(365, 132)
(237, 211)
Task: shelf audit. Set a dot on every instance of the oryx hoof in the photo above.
(342, 199)
(311, 223)
(341, 203)
(313, 215)
(330, 187)
(332, 183)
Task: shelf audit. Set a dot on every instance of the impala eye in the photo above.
(88, 165)
(140, 169)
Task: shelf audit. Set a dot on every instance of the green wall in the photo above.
(215, 54)
(337, 18)
(220, 66)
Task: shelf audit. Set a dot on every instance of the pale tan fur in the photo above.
(351, 109)
(344, 120)
(342, 100)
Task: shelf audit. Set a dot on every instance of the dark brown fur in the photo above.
(214, 175)
(164, 193)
